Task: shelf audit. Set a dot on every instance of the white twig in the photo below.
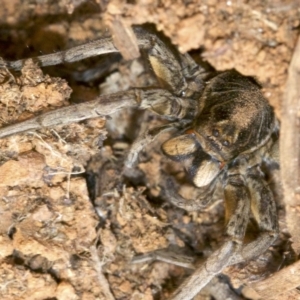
(101, 278)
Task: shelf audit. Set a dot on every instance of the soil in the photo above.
(72, 216)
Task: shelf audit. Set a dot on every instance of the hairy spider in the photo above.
(226, 130)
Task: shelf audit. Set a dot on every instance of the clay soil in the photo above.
(72, 216)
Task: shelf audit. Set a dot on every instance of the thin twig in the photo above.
(101, 278)
(290, 149)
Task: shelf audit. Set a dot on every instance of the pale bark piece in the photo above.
(283, 282)
(290, 148)
(124, 39)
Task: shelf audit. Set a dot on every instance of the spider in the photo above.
(225, 129)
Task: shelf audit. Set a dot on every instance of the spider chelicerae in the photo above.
(226, 131)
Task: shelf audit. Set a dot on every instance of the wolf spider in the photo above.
(225, 128)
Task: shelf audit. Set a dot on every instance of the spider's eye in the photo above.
(226, 143)
(215, 132)
(182, 94)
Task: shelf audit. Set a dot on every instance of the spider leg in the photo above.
(159, 101)
(237, 199)
(73, 113)
(219, 289)
(144, 139)
(271, 154)
(77, 53)
(204, 196)
(169, 255)
(263, 208)
(203, 171)
(164, 59)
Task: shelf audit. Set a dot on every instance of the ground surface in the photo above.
(61, 238)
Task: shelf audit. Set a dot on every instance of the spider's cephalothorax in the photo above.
(235, 117)
(227, 130)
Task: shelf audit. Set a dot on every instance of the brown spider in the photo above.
(227, 130)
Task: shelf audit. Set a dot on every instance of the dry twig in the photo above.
(290, 149)
(101, 278)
